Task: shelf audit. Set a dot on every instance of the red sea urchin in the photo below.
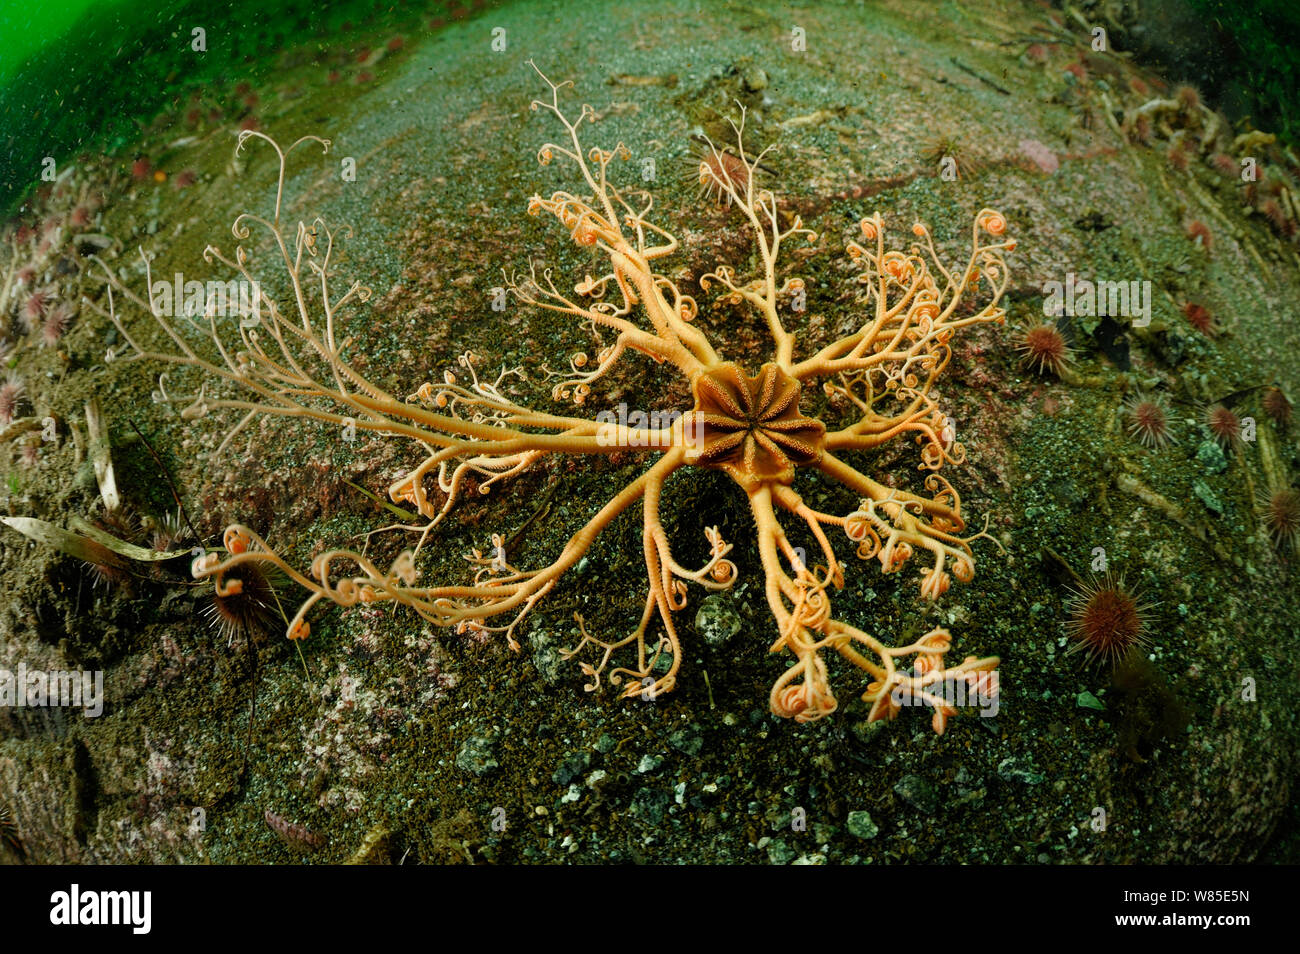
(1141, 130)
(1224, 425)
(56, 324)
(169, 531)
(1272, 210)
(34, 308)
(1226, 164)
(1106, 621)
(12, 394)
(1036, 53)
(1199, 233)
(1148, 420)
(1199, 317)
(1178, 156)
(1281, 515)
(1188, 99)
(1277, 406)
(1043, 347)
(110, 572)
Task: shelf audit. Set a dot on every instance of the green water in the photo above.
(25, 28)
(86, 77)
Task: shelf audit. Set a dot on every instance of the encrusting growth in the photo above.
(746, 422)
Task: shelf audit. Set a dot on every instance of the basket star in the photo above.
(470, 434)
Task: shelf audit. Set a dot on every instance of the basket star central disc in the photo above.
(751, 426)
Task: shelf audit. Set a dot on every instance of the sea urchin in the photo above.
(244, 603)
(1106, 620)
(1148, 420)
(1281, 515)
(1224, 425)
(1043, 347)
